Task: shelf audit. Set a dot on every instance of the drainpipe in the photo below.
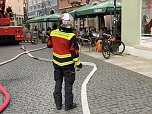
(115, 19)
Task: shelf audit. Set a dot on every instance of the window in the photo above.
(146, 18)
(146, 23)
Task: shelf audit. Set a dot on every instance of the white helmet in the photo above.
(10, 6)
(67, 20)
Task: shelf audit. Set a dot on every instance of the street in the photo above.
(111, 89)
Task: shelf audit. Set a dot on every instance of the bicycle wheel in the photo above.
(117, 47)
(106, 51)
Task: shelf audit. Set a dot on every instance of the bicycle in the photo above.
(111, 45)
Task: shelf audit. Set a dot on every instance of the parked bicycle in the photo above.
(111, 45)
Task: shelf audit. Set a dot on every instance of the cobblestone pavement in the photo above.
(7, 52)
(111, 90)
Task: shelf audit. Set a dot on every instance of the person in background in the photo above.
(105, 33)
(54, 27)
(81, 32)
(100, 33)
(65, 57)
(35, 28)
(1, 13)
(74, 31)
(35, 35)
(94, 32)
(43, 32)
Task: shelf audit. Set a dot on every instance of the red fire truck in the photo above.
(8, 33)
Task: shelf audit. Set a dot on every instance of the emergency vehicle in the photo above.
(8, 33)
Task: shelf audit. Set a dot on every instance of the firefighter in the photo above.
(65, 58)
(9, 11)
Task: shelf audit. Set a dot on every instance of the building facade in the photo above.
(68, 5)
(137, 25)
(137, 22)
(17, 8)
(41, 7)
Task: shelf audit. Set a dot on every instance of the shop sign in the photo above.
(70, 1)
(75, 3)
(97, 10)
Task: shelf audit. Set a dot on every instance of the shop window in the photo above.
(146, 18)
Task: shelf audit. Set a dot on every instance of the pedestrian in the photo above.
(35, 35)
(100, 33)
(43, 32)
(65, 57)
(54, 26)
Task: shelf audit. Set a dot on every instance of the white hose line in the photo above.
(27, 52)
(84, 100)
(24, 48)
(37, 49)
(2, 63)
(38, 58)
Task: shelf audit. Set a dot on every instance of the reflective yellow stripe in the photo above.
(61, 56)
(76, 59)
(60, 34)
(64, 63)
(77, 63)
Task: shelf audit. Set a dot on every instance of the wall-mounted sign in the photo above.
(97, 10)
(70, 1)
(75, 3)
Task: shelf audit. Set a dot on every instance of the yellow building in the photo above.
(17, 8)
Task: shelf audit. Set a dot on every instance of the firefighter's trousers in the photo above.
(68, 74)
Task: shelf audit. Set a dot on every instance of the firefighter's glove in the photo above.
(78, 64)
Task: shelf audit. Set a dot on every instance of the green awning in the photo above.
(104, 8)
(74, 12)
(45, 18)
(51, 18)
(34, 20)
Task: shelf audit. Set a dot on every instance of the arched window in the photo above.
(52, 12)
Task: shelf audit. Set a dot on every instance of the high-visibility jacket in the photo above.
(65, 48)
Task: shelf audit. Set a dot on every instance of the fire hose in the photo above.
(7, 99)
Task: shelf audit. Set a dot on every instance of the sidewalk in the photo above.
(127, 61)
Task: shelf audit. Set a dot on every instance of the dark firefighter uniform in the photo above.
(65, 56)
